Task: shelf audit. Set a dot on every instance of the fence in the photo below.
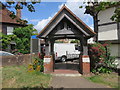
(16, 59)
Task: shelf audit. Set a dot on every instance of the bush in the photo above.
(74, 41)
(59, 41)
(37, 65)
(103, 62)
(16, 52)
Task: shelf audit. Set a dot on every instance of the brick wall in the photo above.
(16, 60)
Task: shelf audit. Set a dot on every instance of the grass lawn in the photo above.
(107, 79)
(19, 77)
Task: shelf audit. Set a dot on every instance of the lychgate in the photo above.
(65, 24)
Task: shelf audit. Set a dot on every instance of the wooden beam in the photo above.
(53, 26)
(76, 25)
(64, 15)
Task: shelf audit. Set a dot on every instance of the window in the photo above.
(9, 30)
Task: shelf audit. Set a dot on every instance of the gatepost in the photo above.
(84, 64)
(48, 64)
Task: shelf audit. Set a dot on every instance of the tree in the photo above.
(19, 5)
(5, 40)
(96, 7)
(22, 40)
(21, 36)
(93, 8)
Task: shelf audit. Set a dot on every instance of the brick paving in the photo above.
(63, 71)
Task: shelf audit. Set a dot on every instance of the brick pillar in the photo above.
(84, 57)
(48, 64)
(84, 64)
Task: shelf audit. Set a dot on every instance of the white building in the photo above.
(109, 30)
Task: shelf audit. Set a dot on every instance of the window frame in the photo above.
(10, 30)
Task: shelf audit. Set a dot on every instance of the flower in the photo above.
(30, 68)
(95, 48)
(105, 44)
(38, 68)
(36, 61)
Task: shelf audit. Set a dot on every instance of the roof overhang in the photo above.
(87, 31)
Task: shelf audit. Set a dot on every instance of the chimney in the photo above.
(18, 12)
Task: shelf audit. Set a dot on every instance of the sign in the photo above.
(86, 59)
(47, 60)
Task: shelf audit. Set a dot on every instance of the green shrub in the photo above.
(103, 61)
(74, 41)
(37, 65)
(59, 41)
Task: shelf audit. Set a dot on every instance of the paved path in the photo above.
(73, 82)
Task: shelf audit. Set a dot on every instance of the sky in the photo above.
(44, 12)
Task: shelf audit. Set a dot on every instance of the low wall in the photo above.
(16, 59)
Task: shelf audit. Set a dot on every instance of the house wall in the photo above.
(4, 27)
(108, 32)
(107, 29)
(115, 50)
(6, 20)
(104, 16)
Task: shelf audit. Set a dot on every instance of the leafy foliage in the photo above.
(23, 35)
(59, 41)
(103, 61)
(74, 41)
(96, 7)
(19, 5)
(6, 39)
(37, 65)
